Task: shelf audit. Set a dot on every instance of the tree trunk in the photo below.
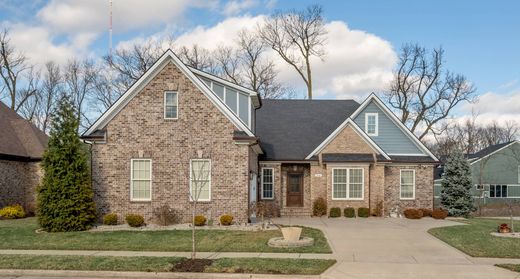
(193, 248)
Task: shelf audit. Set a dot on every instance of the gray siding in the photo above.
(499, 168)
(390, 138)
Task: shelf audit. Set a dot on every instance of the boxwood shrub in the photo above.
(349, 212)
(363, 212)
(335, 212)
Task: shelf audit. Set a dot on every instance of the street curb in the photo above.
(131, 274)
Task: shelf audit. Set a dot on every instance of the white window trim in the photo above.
(210, 174)
(348, 198)
(262, 184)
(132, 179)
(176, 105)
(518, 174)
(377, 123)
(401, 184)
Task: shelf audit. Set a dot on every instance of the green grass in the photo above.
(512, 267)
(164, 264)
(20, 234)
(271, 266)
(475, 239)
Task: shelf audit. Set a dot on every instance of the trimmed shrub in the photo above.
(319, 207)
(439, 213)
(200, 220)
(134, 220)
(335, 212)
(349, 212)
(363, 212)
(12, 212)
(65, 196)
(413, 213)
(226, 220)
(110, 219)
(166, 215)
(426, 212)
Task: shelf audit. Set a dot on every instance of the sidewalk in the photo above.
(216, 255)
(206, 255)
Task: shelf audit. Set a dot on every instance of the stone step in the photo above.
(295, 211)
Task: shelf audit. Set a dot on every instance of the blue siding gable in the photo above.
(390, 137)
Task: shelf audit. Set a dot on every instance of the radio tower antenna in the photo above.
(110, 32)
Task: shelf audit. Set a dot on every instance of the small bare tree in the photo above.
(199, 177)
(198, 58)
(79, 77)
(50, 91)
(297, 36)
(423, 92)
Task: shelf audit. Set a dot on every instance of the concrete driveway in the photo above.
(396, 248)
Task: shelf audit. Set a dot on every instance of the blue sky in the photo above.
(481, 38)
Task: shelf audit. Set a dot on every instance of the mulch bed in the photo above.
(192, 265)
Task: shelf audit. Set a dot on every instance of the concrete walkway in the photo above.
(206, 255)
(397, 248)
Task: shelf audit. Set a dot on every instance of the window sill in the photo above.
(348, 199)
(407, 199)
(140, 201)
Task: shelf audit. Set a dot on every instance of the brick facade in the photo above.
(423, 188)
(140, 130)
(18, 182)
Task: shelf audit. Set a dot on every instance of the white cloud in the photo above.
(492, 107)
(236, 6)
(356, 64)
(36, 43)
(72, 16)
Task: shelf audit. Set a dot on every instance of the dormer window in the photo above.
(170, 105)
(372, 124)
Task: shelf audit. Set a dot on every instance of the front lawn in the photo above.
(20, 234)
(475, 239)
(164, 264)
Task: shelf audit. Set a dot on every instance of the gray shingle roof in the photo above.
(292, 129)
(19, 138)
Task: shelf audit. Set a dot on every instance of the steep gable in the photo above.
(348, 141)
(392, 139)
(160, 64)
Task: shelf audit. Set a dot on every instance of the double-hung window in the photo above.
(267, 182)
(200, 180)
(407, 185)
(141, 180)
(372, 124)
(347, 183)
(170, 105)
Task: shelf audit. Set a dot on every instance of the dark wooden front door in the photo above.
(294, 189)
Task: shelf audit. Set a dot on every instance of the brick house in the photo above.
(178, 126)
(21, 149)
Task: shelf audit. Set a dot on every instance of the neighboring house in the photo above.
(495, 172)
(21, 149)
(174, 119)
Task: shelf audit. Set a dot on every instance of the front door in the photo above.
(294, 189)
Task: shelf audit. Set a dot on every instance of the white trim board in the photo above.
(340, 128)
(502, 148)
(145, 79)
(394, 119)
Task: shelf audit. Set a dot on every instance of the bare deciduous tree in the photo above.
(297, 36)
(470, 136)
(423, 92)
(49, 93)
(18, 80)
(79, 77)
(197, 57)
